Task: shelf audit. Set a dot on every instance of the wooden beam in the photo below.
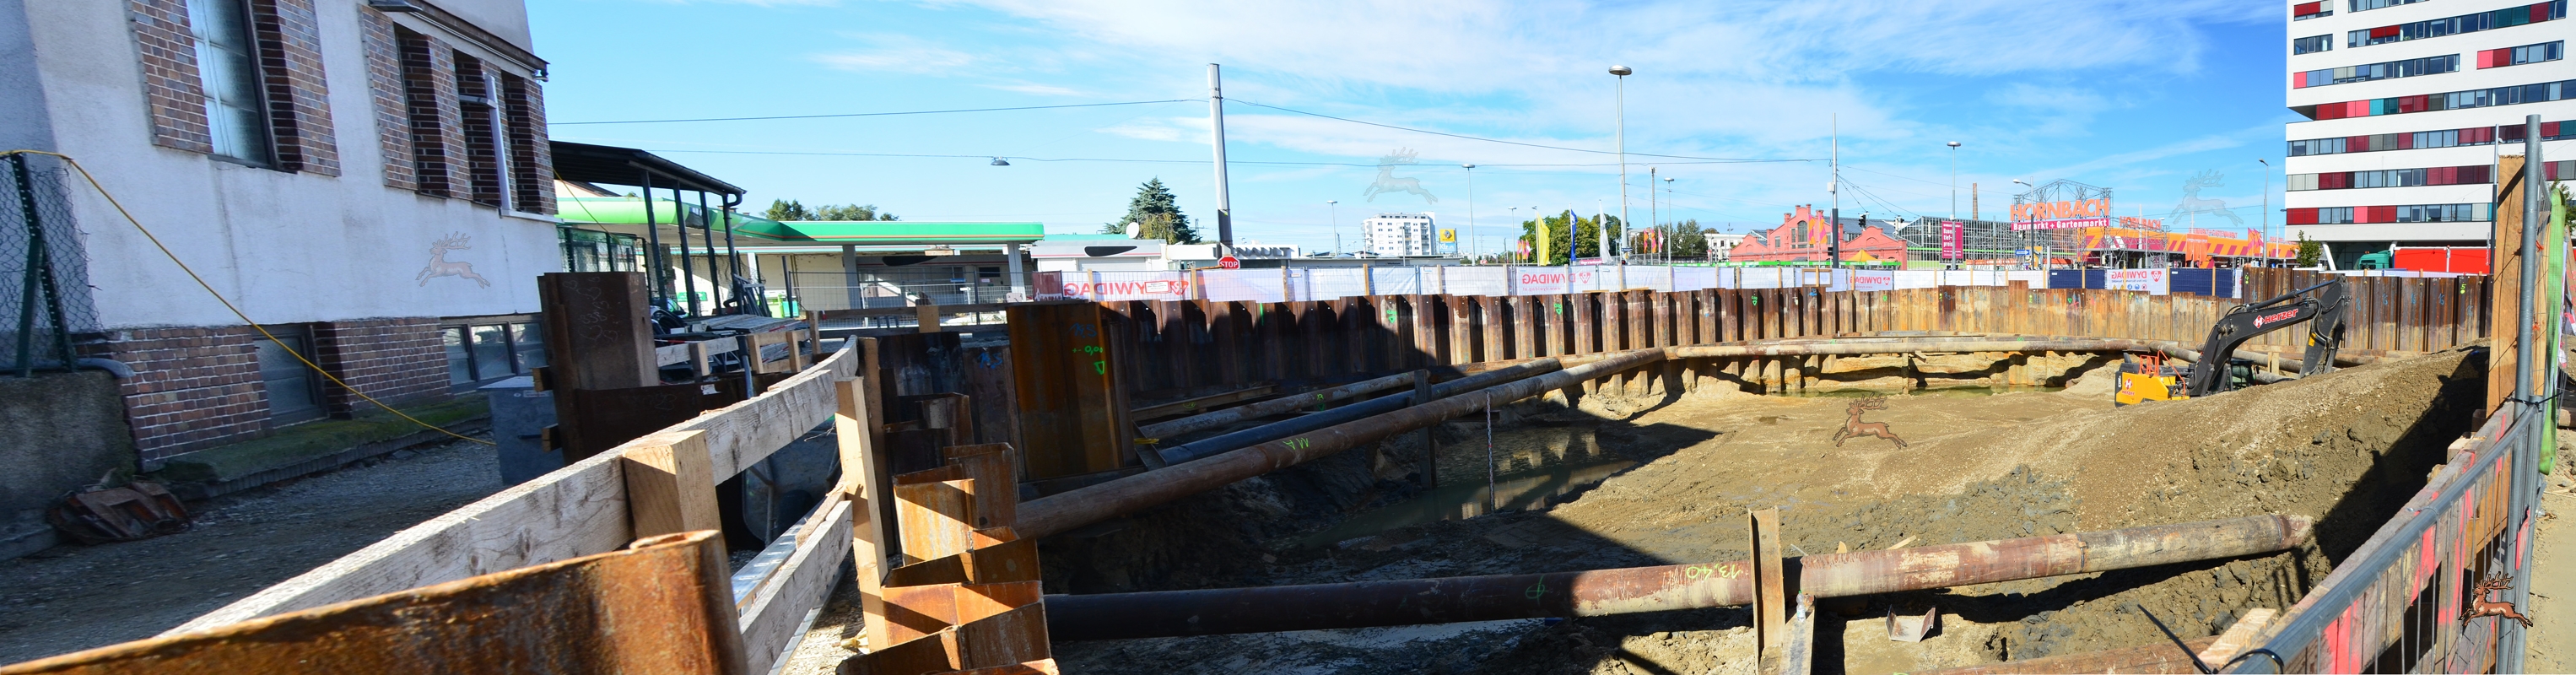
(803, 583)
(1769, 616)
(669, 488)
(661, 606)
(927, 315)
(864, 481)
(574, 511)
(2504, 287)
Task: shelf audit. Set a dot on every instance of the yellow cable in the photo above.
(219, 297)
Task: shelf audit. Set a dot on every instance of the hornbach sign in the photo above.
(2062, 215)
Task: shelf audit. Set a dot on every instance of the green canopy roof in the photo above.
(630, 211)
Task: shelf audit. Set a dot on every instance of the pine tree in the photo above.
(1156, 215)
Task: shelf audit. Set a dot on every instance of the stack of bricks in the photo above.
(397, 361)
(193, 388)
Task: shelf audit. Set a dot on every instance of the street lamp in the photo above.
(2025, 236)
(1471, 208)
(1668, 198)
(1623, 72)
(1335, 208)
(2267, 208)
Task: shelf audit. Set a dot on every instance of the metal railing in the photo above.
(2398, 604)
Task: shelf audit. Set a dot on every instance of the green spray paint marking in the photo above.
(1536, 591)
(1100, 367)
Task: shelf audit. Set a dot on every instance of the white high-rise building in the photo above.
(2408, 104)
(1402, 234)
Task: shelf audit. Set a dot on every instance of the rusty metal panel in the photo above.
(1584, 326)
(1072, 408)
(662, 606)
(935, 511)
(1489, 323)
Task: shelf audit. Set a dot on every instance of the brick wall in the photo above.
(172, 90)
(397, 361)
(299, 106)
(193, 388)
(376, 37)
(532, 160)
(429, 97)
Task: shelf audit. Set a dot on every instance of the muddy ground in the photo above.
(2553, 570)
(72, 597)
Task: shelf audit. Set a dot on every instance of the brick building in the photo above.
(369, 180)
(1804, 235)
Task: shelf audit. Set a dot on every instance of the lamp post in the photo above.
(1954, 180)
(1335, 210)
(1622, 136)
(2267, 209)
(2025, 237)
(1668, 197)
(1471, 209)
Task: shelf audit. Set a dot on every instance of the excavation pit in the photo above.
(2344, 449)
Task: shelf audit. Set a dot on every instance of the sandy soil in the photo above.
(72, 597)
(1973, 469)
(2553, 573)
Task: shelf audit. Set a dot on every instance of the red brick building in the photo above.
(1804, 235)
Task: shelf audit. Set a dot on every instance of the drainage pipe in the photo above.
(1211, 446)
(1270, 407)
(1060, 512)
(1654, 589)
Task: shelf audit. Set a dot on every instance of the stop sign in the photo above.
(1229, 262)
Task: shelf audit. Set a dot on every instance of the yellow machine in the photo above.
(2149, 378)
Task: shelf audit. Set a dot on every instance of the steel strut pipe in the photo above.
(1274, 406)
(1057, 513)
(1213, 445)
(1902, 346)
(1654, 589)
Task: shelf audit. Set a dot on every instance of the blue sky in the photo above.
(2130, 95)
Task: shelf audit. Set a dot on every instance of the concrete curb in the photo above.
(200, 490)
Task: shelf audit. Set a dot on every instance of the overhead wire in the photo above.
(1727, 160)
(228, 304)
(871, 114)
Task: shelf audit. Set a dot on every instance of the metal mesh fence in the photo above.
(879, 289)
(44, 278)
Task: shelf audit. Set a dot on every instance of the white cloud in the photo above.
(900, 54)
(1038, 89)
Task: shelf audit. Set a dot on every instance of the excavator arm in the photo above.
(2323, 312)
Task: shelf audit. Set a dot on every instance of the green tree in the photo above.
(1156, 215)
(1584, 241)
(2309, 250)
(789, 210)
(852, 212)
(786, 210)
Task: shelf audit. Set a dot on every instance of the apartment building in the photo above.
(2408, 104)
(1402, 234)
(367, 179)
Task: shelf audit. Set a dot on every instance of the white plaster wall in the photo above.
(285, 247)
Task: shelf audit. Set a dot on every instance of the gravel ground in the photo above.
(72, 597)
(2553, 571)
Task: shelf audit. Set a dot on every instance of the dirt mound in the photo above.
(2345, 448)
(2293, 448)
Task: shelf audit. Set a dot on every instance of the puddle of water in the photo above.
(1949, 392)
(1459, 498)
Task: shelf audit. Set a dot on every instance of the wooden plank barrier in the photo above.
(660, 483)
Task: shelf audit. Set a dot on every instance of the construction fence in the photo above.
(1170, 349)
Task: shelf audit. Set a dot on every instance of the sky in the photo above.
(1744, 101)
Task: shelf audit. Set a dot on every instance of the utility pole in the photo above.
(1335, 213)
(1216, 136)
(1471, 209)
(1622, 135)
(2267, 208)
(1834, 228)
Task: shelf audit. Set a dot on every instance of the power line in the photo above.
(1725, 160)
(874, 114)
(1132, 160)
